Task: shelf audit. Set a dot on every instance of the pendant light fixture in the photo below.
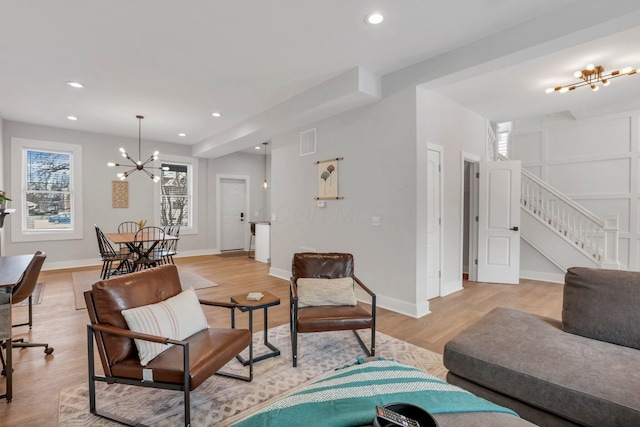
(138, 165)
(265, 185)
(594, 77)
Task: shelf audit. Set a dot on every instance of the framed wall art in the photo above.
(119, 194)
(328, 179)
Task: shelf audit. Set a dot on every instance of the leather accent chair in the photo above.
(329, 317)
(182, 367)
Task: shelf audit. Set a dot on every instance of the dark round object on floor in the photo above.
(410, 411)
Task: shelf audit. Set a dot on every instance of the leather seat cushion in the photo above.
(209, 350)
(333, 318)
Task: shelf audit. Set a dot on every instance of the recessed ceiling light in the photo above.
(77, 85)
(216, 114)
(374, 18)
(72, 118)
(257, 148)
(182, 134)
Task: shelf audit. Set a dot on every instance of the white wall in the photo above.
(382, 174)
(376, 178)
(446, 123)
(595, 162)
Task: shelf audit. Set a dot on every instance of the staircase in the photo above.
(563, 231)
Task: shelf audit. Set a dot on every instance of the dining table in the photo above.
(11, 269)
(141, 252)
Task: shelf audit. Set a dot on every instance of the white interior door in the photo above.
(499, 222)
(233, 214)
(434, 224)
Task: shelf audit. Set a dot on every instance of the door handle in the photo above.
(514, 228)
(241, 216)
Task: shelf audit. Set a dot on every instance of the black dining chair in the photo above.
(113, 261)
(127, 227)
(149, 242)
(170, 248)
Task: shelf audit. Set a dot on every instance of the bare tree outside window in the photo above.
(174, 199)
(48, 190)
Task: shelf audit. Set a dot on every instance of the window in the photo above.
(175, 201)
(47, 186)
(503, 138)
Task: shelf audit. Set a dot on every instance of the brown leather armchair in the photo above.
(329, 317)
(183, 367)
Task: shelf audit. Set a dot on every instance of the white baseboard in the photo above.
(543, 277)
(280, 273)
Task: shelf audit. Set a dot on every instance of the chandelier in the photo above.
(594, 77)
(138, 165)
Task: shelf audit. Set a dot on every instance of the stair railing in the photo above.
(596, 237)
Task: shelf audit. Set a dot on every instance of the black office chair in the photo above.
(21, 291)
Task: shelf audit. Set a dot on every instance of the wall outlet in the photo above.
(375, 221)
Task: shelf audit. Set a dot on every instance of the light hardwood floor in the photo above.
(38, 380)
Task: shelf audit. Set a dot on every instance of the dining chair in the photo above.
(122, 258)
(149, 242)
(170, 247)
(127, 227)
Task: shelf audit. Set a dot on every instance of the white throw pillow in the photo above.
(315, 292)
(177, 317)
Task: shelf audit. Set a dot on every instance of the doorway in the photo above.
(470, 190)
(232, 199)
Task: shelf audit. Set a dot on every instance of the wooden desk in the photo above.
(11, 270)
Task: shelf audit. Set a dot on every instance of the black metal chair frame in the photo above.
(293, 319)
(108, 378)
(110, 256)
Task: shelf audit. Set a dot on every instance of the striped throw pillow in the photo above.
(177, 317)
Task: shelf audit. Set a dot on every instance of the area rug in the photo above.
(36, 296)
(221, 401)
(83, 280)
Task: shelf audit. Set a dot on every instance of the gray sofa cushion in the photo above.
(530, 358)
(603, 305)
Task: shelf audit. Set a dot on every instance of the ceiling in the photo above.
(267, 66)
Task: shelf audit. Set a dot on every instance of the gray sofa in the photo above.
(583, 370)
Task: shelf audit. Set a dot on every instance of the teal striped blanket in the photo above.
(349, 396)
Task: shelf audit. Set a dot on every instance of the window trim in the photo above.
(18, 187)
(192, 168)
